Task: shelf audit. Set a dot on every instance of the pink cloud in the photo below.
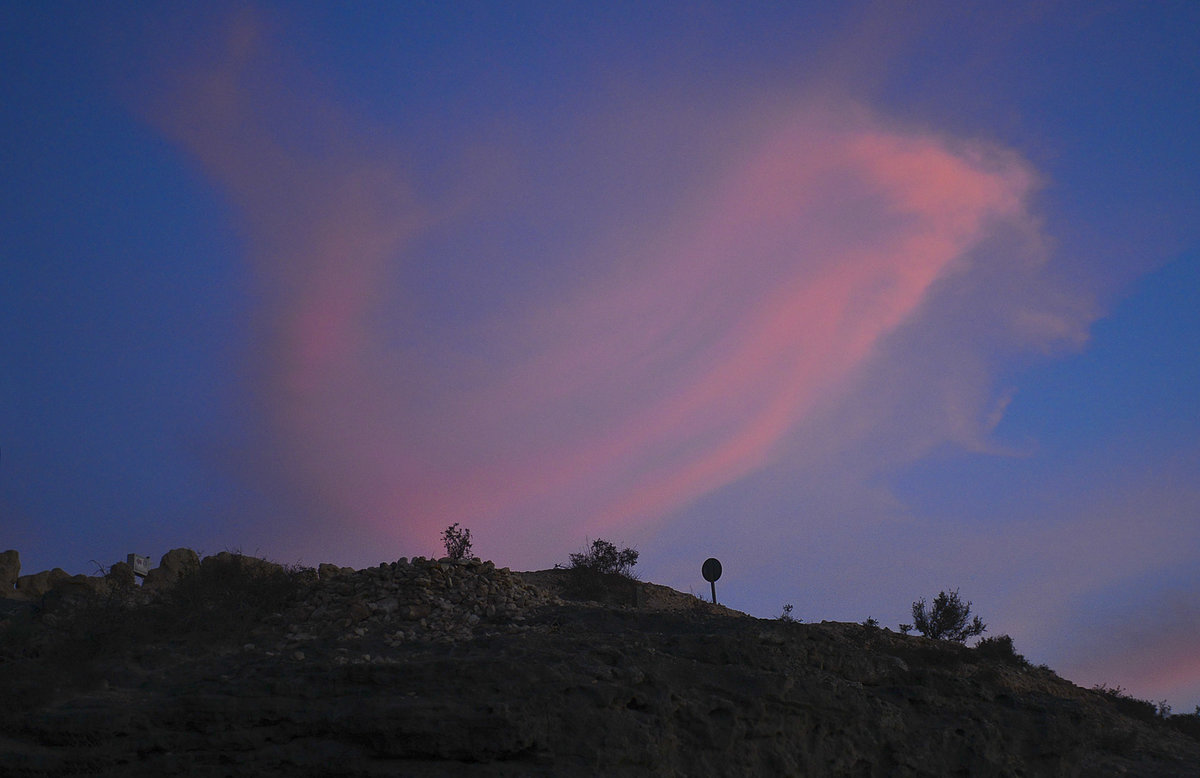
(780, 282)
(680, 364)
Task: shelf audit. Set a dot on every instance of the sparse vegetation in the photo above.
(1151, 712)
(1187, 723)
(457, 541)
(871, 622)
(787, 613)
(1125, 702)
(602, 572)
(1001, 647)
(946, 619)
(605, 559)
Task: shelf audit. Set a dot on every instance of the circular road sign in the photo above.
(711, 570)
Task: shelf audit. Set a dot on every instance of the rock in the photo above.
(14, 607)
(155, 580)
(229, 561)
(357, 611)
(80, 584)
(10, 571)
(121, 575)
(174, 565)
(178, 562)
(386, 606)
(415, 612)
(38, 584)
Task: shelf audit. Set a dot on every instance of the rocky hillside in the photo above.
(235, 666)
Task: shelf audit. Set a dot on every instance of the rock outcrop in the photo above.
(121, 575)
(37, 584)
(175, 564)
(440, 667)
(10, 571)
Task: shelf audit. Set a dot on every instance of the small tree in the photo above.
(946, 619)
(457, 541)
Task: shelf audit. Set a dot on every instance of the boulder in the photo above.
(230, 561)
(121, 576)
(10, 571)
(175, 564)
(81, 585)
(38, 584)
(178, 562)
(14, 608)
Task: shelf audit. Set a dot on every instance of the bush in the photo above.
(1000, 648)
(1187, 723)
(1142, 710)
(1158, 713)
(605, 559)
(946, 619)
(602, 573)
(457, 541)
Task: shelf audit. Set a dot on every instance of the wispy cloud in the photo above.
(678, 364)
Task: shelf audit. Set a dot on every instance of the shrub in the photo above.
(602, 573)
(457, 541)
(946, 619)
(1001, 648)
(1131, 706)
(1187, 723)
(605, 559)
(787, 613)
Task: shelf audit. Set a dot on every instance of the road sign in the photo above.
(711, 572)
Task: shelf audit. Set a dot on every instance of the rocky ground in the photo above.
(234, 666)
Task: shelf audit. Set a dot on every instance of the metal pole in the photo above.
(714, 587)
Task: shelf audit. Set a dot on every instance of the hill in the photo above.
(235, 666)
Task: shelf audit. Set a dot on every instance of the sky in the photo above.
(867, 300)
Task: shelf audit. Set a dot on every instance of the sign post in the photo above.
(711, 572)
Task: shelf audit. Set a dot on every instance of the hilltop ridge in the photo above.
(232, 665)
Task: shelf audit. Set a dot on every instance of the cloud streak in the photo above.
(678, 366)
(683, 359)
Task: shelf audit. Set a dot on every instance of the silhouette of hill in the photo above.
(235, 666)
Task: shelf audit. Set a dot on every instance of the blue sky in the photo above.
(868, 300)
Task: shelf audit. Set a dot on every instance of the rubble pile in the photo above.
(422, 599)
(419, 599)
